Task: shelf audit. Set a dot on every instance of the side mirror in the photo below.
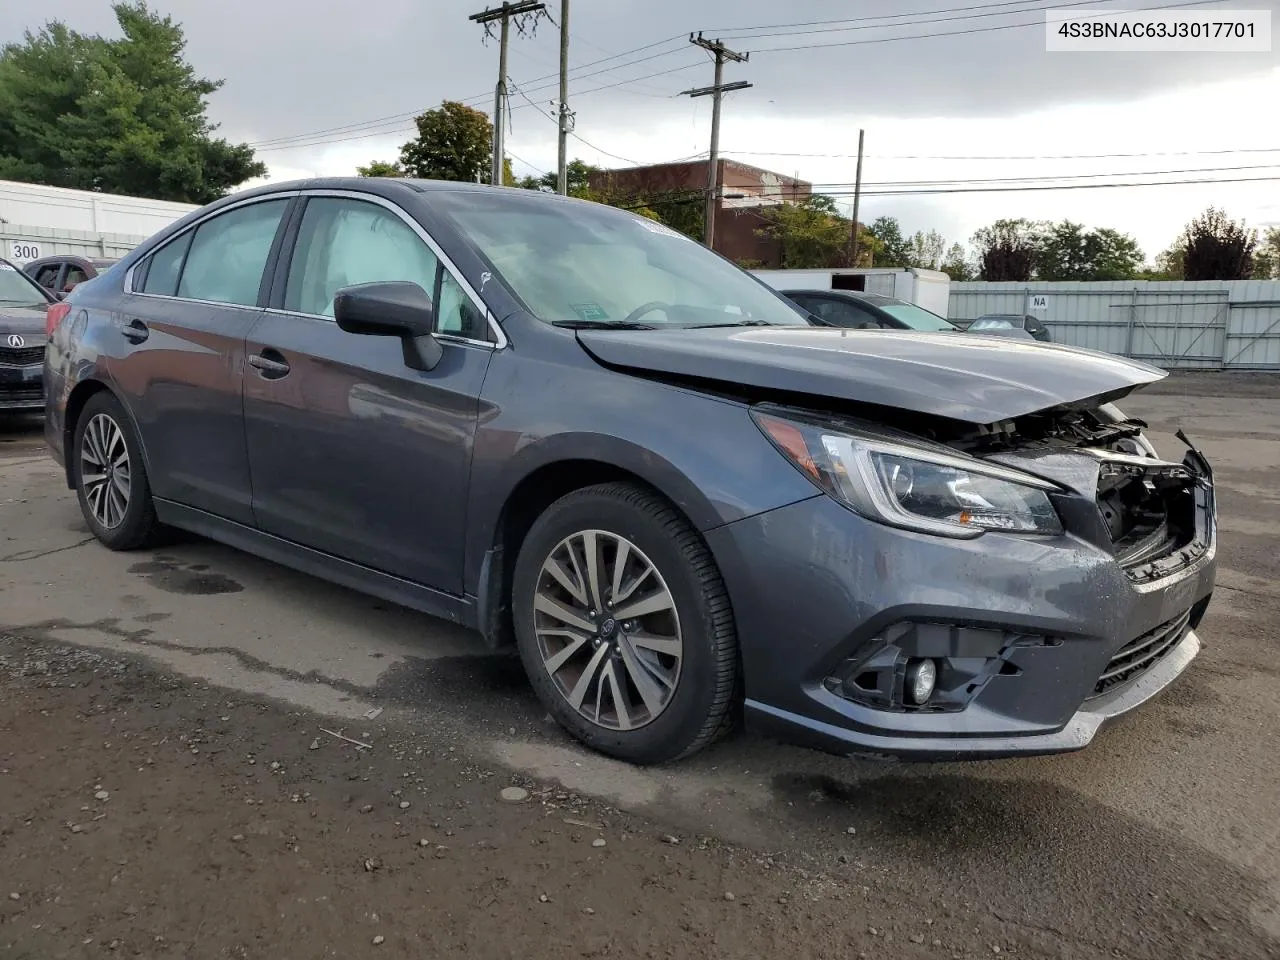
(395, 308)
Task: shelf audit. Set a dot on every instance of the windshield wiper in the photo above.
(602, 325)
(737, 323)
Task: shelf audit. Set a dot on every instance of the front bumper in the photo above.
(21, 388)
(813, 583)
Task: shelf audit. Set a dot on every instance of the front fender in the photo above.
(703, 453)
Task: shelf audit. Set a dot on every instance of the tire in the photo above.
(696, 688)
(118, 509)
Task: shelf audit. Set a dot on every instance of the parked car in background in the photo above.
(1024, 326)
(577, 431)
(23, 305)
(866, 311)
(62, 273)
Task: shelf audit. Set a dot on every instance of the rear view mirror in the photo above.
(395, 308)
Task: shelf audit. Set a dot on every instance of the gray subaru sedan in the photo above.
(582, 434)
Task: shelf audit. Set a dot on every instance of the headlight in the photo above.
(917, 488)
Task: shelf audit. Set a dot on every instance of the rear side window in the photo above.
(47, 276)
(229, 253)
(162, 269)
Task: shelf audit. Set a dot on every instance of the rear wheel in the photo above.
(624, 625)
(110, 478)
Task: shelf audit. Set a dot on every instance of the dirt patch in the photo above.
(145, 816)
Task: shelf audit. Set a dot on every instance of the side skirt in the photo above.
(460, 610)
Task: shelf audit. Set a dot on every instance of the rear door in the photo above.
(181, 335)
(352, 452)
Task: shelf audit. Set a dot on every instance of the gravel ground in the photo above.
(148, 816)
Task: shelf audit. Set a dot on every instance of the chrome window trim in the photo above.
(417, 228)
(191, 227)
(434, 247)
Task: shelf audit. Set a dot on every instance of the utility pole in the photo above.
(562, 154)
(715, 91)
(857, 196)
(504, 14)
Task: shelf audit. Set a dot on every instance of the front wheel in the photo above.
(624, 625)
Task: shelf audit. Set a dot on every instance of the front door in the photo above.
(180, 341)
(351, 451)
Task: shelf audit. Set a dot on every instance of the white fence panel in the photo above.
(1173, 324)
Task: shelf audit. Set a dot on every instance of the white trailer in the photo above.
(930, 289)
(39, 221)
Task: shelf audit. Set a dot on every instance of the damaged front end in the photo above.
(1154, 516)
(1082, 481)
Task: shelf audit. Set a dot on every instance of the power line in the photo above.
(1060, 156)
(881, 16)
(400, 117)
(969, 30)
(1064, 176)
(927, 19)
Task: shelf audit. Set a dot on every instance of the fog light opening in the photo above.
(922, 675)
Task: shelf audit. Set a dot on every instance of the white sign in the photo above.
(24, 251)
(1038, 303)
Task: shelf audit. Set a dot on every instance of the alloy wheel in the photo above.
(105, 471)
(608, 631)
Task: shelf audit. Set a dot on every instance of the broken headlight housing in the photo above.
(894, 481)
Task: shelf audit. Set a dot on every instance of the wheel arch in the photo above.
(534, 489)
(79, 397)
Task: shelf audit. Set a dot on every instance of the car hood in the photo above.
(974, 379)
(26, 322)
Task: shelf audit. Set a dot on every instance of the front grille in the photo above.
(1138, 656)
(21, 357)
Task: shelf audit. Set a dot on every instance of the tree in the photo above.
(810, 235)
(1007, 250)
(895, 250)
(577, 177)
(124, 116)
(454, 142)
(956, 264)
(925, 250)
(380, 168)
(1214, 247)
(1070, 251)
(1266, 258)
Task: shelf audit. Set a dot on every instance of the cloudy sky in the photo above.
(980, 100)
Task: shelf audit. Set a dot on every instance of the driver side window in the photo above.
(345, 242)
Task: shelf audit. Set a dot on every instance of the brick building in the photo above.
(744, 190)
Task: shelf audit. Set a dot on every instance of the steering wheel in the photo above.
(644, 308)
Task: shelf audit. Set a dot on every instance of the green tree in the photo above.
(380, 168)
(895, 249)
(1214, 247)
(1070, 251)
(454, 142)
(809, 233)
(577, 179)
(1266, 258)
(956, 264)
(125, 116)
(926, 250)
(1007, 249)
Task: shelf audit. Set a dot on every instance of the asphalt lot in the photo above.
(1161, 839)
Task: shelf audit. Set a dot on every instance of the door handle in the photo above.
(268, 366)
(135, 331)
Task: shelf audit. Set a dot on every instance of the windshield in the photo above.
(992, 323)
(585, 264)
(916, 318)
(16, 288)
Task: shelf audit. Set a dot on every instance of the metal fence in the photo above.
(20, 244)
(1173, 324)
